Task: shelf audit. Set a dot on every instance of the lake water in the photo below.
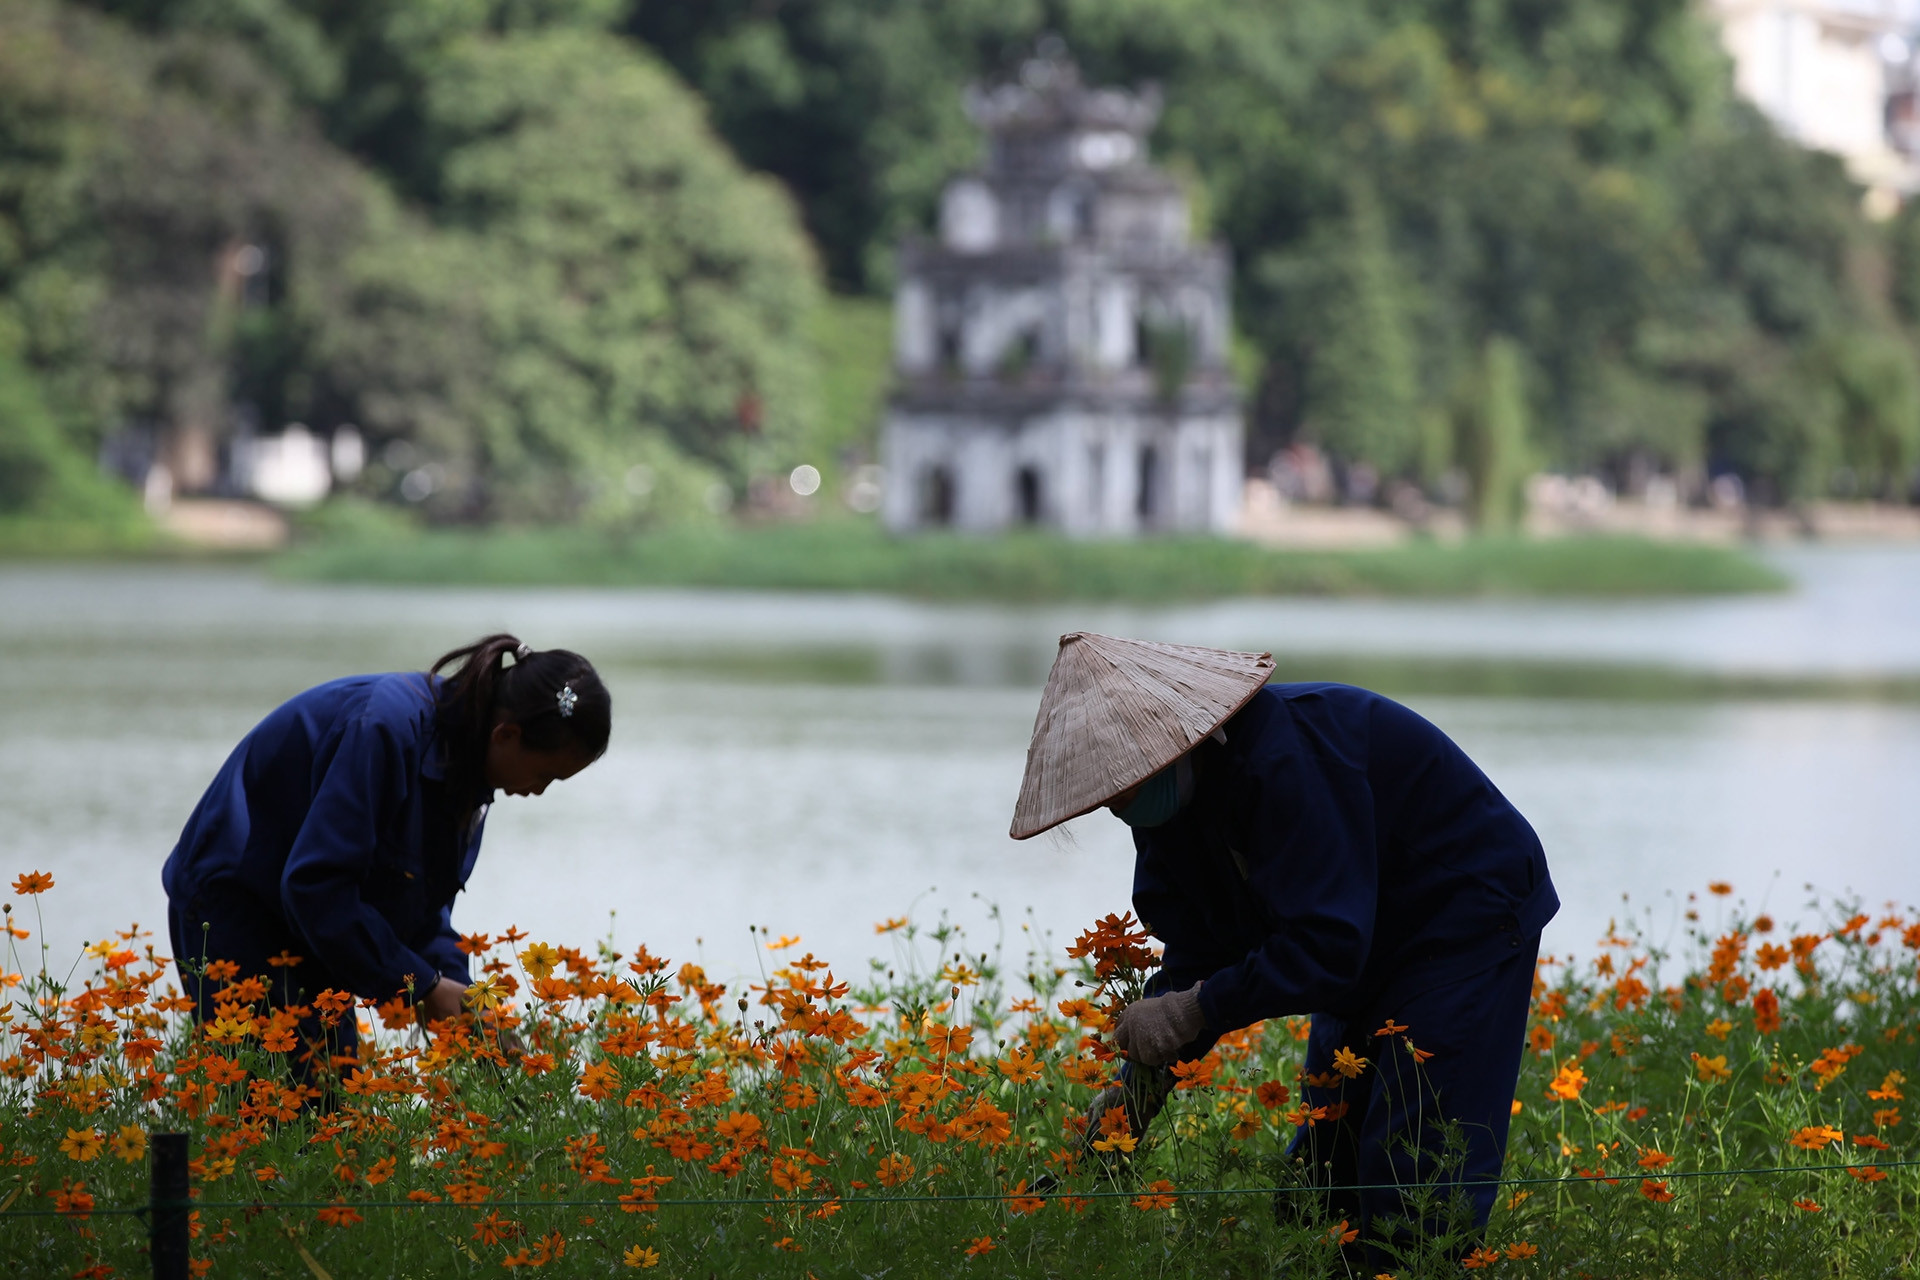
(813, 764)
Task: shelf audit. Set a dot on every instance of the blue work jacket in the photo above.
(1338, 854)
(335, 812)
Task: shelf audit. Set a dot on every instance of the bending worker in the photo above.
(1309, 849)
(342, 826)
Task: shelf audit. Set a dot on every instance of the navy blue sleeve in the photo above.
(444, 948)
(365, 783)
(1308, 817)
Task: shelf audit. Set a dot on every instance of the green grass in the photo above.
(33, 537)
(850, 555)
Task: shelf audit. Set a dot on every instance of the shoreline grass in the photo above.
(847, 555)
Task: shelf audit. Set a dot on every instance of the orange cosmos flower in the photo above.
(1521, 1249)
(1816, 1137)
(1348, 1063)
(1887, 1118)
(1567, 1082)
(1157, 1196)
(1766, 1011)
(1654, 1159)
(29, 883)
(1712, 1070)
(637, 1256)
(1807, 1206)
(739, 1128)
(73, 1200)
(982, 1245)
(339, 1214)
(1657, 1192)
(1480, 1258)
(1719, 888)
(1341, 1233)
(1392, 1028)
(888, 926)
(1867, 1172)
(1020, 1066)
(1272, 1094)
(1021, 1203)
(598, 1080)
(1889, 1090)
(894, 1169)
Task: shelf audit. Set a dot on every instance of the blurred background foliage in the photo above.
(612, 259)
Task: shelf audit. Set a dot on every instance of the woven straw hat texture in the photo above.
(1118, 711)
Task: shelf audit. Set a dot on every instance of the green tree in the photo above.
(1363, 393)
(43, 476)
(1494, 430)
(601, 276)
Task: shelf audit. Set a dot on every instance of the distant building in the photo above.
(1836, 75)
(1061, 351)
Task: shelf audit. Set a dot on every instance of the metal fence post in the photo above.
(169, 1203)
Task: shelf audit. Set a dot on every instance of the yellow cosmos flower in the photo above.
(130, 1143)
(540, 960)
(82, 1144)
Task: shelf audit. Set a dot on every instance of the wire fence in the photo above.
(170, 1204)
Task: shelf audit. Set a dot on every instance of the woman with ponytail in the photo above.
(342, 826)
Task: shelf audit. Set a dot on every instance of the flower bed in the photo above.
(1735, 1108)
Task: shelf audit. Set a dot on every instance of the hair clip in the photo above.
(566, 698)
(522, 652)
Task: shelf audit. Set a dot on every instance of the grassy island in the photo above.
(857, 556)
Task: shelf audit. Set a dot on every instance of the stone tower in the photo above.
(1061, 351)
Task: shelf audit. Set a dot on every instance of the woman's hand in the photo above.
(442, 1001)
(1153, 1031)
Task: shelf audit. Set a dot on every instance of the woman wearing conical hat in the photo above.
(1309, 849)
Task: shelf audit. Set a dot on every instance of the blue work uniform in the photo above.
(1341, 857)
(331, 834)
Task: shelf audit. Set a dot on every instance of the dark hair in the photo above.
(483, 691)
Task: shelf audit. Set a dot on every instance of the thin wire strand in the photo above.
(648, 1206)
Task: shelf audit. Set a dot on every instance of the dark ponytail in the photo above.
(484, 690)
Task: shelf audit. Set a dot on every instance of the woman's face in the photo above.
(519, 771)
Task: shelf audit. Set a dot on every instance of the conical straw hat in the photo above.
(1116, 712)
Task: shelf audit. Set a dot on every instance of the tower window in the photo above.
(1029, 495)
(937, 496)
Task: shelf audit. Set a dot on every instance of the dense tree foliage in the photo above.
(512, 241)
(1403, 185)
(549, 291)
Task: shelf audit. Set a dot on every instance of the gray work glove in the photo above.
(1153, 1031)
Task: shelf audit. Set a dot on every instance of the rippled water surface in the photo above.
(816, 763)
